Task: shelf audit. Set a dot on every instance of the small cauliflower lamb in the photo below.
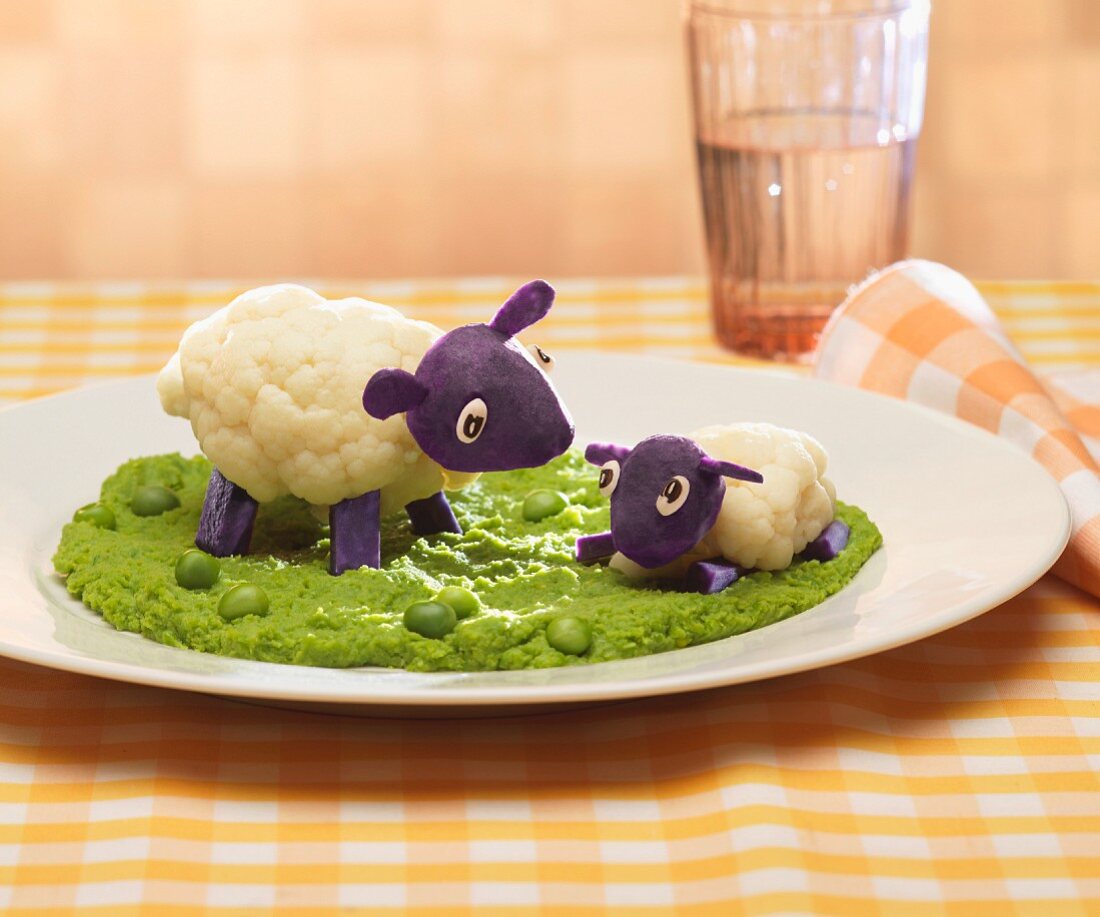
(273, 385)
(672, 515)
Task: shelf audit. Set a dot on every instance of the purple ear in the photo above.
(598, 453)
(527, 305)
(392, 391)
(730, 470)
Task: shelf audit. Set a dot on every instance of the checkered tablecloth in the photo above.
(957, 774)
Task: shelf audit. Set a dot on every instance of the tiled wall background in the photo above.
(268, 138)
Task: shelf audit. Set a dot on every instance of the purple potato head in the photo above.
(479, 401)
(665, 495)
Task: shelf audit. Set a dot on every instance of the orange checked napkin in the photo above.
(921, 331)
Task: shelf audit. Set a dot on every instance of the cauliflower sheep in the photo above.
(673, 516)
(273, 385)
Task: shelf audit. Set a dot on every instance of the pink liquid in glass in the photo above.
(798, 207)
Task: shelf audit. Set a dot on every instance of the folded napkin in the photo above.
(921, 331)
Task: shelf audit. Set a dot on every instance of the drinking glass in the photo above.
(806, 121)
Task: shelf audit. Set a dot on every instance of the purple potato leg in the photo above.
(594, 547)
(710, 576)
(355, 540)
(225, 526)
(829, 543)
(432, 514)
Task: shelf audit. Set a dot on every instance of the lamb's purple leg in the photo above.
(355, 540)
(829, 543)
(590, 548)
(711, 576)
(225, 526)
(432, 514)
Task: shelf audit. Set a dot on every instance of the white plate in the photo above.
(968, 522)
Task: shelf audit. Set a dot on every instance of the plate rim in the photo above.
(548, 694)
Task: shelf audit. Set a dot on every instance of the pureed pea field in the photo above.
(534, 605)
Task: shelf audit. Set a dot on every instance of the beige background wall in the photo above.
(271, 138)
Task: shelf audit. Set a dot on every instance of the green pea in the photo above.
(542, 504)
(196, 569)
(569, 635)
(152, 500)
(97, 514)
(242, 600)
(430, 619)
(463, 601)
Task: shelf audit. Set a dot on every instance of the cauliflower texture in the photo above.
(273, 385)
(760, 525)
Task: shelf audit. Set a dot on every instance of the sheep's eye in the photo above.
(673, 496)
(471, 420)
(543, 359)
(609, 477)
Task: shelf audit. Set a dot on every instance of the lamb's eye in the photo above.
(471, 420)
(673, 495)
(541, 357)
(609, 477)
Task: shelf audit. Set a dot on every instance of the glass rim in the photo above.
(754, 9)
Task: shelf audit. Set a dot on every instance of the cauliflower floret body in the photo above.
(761, 526)
(273, 386)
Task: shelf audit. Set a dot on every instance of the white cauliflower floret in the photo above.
(273, 386)
(762, 526)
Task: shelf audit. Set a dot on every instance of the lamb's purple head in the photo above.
(479, 401)
(665, 495)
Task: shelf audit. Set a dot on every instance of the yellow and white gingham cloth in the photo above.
(957, 774)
